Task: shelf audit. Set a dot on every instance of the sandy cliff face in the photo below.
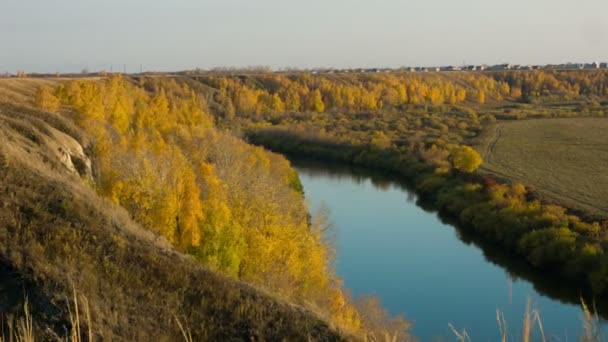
(26, 136)
(37, 136)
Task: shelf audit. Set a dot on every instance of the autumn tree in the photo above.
(481, 97)
(465, 158)
(316, 101)
(45, 100)
(380, 140)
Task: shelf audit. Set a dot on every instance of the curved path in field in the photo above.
(565, 159)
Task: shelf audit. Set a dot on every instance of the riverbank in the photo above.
(390, 243)
(546, 236)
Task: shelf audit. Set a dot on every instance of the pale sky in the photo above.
(69, 35)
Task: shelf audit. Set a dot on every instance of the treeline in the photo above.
(268, 94)
(237, 208)
(254, 96)
(555, 85)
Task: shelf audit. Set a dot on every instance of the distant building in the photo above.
(500, 67)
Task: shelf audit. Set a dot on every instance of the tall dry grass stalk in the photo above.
(526, 330)
(371, 337)
(185, 332)
(22, 331)
(25, 326)
(592, 329)
(531, 318)
(502, 325)
(462, 336)
(76, 333)
(537, 319)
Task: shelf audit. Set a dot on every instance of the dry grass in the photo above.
(592, 326)
(23, 329)
(25, 326)
(185, 332)
(75, 320)
(22, 90)
(502, 325)
(461, 336)
(20, 331)
(52, 239)
(564, 159)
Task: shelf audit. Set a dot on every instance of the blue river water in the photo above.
(419, 266)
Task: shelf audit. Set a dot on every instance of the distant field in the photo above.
(565, 159)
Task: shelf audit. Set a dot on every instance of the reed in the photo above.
(185, 332)
(502, 325)
(592, 329)
(20, 331)
(462, 336)
(75, 319)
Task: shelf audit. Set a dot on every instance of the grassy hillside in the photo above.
(564, 159)
(57, 235)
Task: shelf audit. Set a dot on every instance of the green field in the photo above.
(564, 159)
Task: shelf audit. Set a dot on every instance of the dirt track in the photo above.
(564, 159)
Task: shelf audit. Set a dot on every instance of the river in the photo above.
(426, 269)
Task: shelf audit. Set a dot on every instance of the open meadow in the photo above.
(564, 159)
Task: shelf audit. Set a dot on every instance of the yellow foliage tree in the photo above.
(465, 158)
(316, 102)
(481, 97)
(45, 100)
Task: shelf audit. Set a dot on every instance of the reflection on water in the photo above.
(391, 244)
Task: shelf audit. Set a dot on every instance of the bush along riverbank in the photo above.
(548, 236)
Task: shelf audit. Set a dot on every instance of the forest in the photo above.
(422, 126)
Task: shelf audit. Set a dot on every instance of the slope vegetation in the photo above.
(59, 237)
